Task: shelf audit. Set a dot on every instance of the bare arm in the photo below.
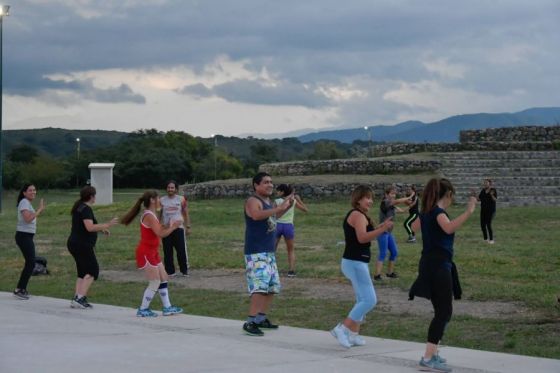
(451, 226)
(91, 227)
(299, 204)
(416, 225)
(253, 209)
(359, 222)
(157, 228)
(28, 216)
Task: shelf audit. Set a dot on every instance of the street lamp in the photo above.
(215, 154)
(4, 11)
(77, 162)
(366, 128)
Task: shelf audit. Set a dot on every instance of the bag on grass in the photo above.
(40, 266)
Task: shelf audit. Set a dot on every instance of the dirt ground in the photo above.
(389, 299)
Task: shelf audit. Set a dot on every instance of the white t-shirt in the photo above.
(22, 225)
(172, 208)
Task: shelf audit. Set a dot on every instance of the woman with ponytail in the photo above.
(437, 275)
(81, 244)
(147, 253)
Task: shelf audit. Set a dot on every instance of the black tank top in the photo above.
(354, 250)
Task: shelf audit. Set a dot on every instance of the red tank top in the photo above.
(148, 239)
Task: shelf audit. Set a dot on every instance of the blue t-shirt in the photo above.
(435, 242)
(260, 235)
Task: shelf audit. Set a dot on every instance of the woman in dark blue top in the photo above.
(437, 277)
(358, 234)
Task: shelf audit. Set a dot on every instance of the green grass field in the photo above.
(522, 267)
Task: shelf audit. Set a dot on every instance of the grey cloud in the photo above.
(253, 92)
(312, 43)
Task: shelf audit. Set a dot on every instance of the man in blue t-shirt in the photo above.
(263, 280)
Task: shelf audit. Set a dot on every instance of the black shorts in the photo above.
(86, 262)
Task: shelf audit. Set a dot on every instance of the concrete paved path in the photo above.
(45, 335)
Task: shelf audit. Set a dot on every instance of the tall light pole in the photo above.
(215, 155)
(4, 11)
(366, 128)
(77, 162)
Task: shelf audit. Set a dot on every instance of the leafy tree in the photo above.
(326, 150)
(22, 154)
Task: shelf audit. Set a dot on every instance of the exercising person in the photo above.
(147, 255)
(412, 213)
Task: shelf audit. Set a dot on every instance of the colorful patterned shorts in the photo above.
(262, 273)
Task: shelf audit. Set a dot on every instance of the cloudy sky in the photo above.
(267, 66)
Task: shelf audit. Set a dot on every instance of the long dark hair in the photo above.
(435, 190)
(20, 195)
(143, 200)
(85, 195)
(286, 189)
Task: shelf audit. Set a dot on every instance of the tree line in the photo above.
(148, 158)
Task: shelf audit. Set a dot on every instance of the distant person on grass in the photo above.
(263, 280)
(25, 231)
(487, 197)
(386, 241)
(437, 279)
(412, 203)
(358, 234)
(174, 208)
(285, 224)
(147, 253)
(81, 244)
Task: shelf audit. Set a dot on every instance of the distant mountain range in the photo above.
(446, 130)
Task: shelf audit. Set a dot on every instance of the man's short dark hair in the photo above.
(257, 179)
(172, 182)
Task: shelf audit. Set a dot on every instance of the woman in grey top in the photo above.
(26, 228)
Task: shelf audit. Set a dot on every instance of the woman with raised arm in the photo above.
(358, 234)
(147, 253)
(25, 231)
(285, 224)
(81, 244)
(437, 279)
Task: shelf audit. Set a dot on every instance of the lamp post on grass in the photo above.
(4, 11)
(215, 137)
(368, 131)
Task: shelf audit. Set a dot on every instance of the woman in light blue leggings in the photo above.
(358, 234)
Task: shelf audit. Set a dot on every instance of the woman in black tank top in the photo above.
(358, 234)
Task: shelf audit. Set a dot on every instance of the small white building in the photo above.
(101, 178)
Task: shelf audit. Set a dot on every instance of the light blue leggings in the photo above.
(358, 274)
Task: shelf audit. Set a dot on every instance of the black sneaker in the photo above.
(80, 303)
(377, 278)
(291, 273)
(252, 329)
(21, 294)
(266, 324)
(392, 275)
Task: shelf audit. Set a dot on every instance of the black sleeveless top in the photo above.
(354, 250)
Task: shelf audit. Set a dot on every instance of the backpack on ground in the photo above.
(40, 266)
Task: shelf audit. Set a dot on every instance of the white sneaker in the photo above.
(340, 332)
(491, 242)
(355, 339)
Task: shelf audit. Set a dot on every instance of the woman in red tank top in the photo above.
(147, 253)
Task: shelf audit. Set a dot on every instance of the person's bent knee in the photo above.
(153, 285)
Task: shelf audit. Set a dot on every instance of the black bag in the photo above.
(40, 266)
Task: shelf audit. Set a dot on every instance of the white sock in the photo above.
(164, 294)
(148, 296)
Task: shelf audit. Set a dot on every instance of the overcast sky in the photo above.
(268, 66)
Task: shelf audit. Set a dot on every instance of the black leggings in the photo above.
(408, 223)
(175, 239)
(442, 300)
(486, 224)
(27, 246)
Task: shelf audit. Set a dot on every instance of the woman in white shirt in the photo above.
(26, 228)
